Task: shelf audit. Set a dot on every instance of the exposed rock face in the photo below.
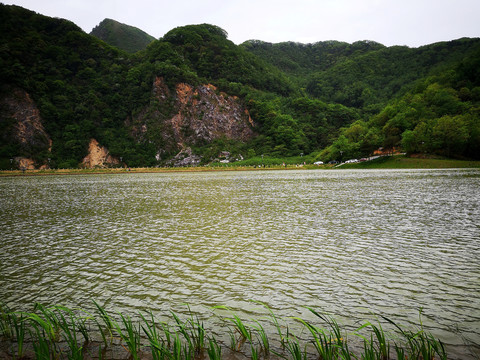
(27, 128)
(185, 158)
(25, 164)
(200, 115)
(205, 115)
(98, 156)
(160, 89)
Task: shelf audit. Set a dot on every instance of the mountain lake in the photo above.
(355, 244)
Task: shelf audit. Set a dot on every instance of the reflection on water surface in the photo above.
(346, 242)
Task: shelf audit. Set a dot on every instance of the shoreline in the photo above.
(392, 163)
(105, 171)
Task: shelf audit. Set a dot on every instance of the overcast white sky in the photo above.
(390, 22)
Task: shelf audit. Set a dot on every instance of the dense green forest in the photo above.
(332, 99)
(439, 115)
(125, 37)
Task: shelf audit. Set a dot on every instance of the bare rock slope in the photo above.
(200, 114)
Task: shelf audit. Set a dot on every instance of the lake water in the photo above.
(350, 243)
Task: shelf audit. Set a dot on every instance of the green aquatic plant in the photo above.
(263, 337)
(5, 325)
(68, 326)
(180, 351)
(420, 344)
(382, 341)
(168, 334)
(130, 334)
(214, 350)
(245, 335)
(239, 327)
(49, 323)
(400, 351)
(370, 351)
(329, 343)
(281, 336)
(157, 343)
(108, 330)
(47, 330)
(16, 325)
(197, 332)
(378, 345)
(58, 332)
(41, 345)
(192, 331)
(233, 339)
(294, 348)
(345, 352)
(242, 329)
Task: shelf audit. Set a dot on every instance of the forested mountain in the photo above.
(301, 60)
(125, 37)
(193, 94)
(439, 115)
(364, 74)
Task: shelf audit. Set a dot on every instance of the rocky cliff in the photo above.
(98, 156)
(174, 121)
(190, 115)
(23, 128)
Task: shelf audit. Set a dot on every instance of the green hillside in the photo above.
(301, 60)
(78, 82)
(415, 99)
(440, 115)
(330, 99)
(364, 74)
(207, 53)
(125, 37)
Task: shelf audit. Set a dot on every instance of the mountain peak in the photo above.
(125, 37)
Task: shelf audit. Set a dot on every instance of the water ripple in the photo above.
(346, 242)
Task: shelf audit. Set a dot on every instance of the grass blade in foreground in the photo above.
(42, 329)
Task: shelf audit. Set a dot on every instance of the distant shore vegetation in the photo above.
(294, 163)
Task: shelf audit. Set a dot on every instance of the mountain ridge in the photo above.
(328, 100)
